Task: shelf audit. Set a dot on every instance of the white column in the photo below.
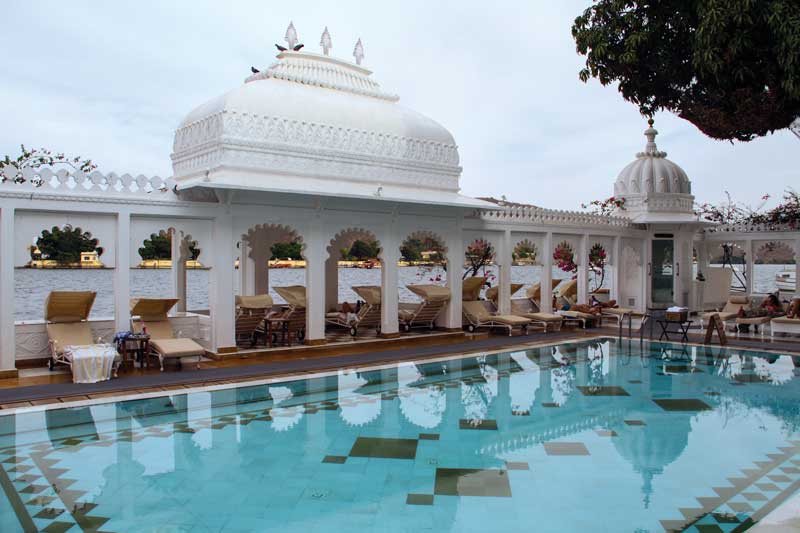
(504, 291)
(221, 297)
(390, 254)
(616, 278)
(583, 270)
(314, 253)
(260, 268)
(332, 281)
(546, 305)
(7, 340)
(750, 260)
(451, 318)
(178, 270)
(797, 268)
(122, 274)
(246, 270)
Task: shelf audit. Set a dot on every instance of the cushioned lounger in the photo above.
(577, 316)
(730, 311)
(369, 316)
(151, 314)
(424, 314)
(479, 317)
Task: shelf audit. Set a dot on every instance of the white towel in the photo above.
(91, 363)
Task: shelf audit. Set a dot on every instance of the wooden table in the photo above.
(136, 346)
(683, 325)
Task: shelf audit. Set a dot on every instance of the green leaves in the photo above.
(731, 67)
(41, 157)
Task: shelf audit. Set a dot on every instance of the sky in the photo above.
(112, 80)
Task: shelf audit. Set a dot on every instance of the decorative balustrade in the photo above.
(550, 217)
(45, 180)
(751, 228)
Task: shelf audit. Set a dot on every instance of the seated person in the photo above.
(772, 305)
(583, 308)
(594, 302)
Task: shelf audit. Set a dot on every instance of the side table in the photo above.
(135, 347)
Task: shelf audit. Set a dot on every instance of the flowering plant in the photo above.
(597, 263)
(479, 255)
(606, 207)
(37, 158)
(564, 257)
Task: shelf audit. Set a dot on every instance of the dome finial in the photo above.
(291, 36)
(650, 133)
(358, 52)
(325, 41)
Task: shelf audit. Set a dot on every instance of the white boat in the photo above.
(786, 280)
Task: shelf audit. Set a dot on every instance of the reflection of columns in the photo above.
(616, 278)
(221, 296)
(315, 283)
(583, 269)
(7, 341)
(122, 275)
(546, 305)
(390, 254)
(332, 282)
(504, 291)
(750, 269)
(502, 411)
(451, 318)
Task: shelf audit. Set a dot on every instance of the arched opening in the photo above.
(63, 257)
(731, 255)
(156, 275)
(270, 255)
(526, 267)
(353, 260)
(422, 278)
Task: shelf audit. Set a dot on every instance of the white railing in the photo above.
(551, 217)
(752, 228)
(44, 180)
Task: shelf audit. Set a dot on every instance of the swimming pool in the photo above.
(589, 436)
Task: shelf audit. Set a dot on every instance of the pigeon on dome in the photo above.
(325, 41)
(291, 39)
(358, 52)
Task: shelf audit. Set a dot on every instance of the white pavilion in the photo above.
(313, 149)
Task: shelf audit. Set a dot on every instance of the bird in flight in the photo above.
(254, 70)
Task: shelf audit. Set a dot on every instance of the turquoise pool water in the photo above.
(590, 436)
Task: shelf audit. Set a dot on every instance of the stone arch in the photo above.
(344, 238)
(261, 237)
(774, 251)
(41, 259)
(525, 246)
(256, 245)
(427, 235)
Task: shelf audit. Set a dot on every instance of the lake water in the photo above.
(32, 286)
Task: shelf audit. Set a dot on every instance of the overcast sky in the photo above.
(111, 81)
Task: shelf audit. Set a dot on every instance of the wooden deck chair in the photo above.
(66, 314)
(471, 288)
(425, 313)
(729, 312)
(150, 314)
(294, 316)
(568, 291)
(534, 292)
(527, 309)
(478, 315)
(250, 314)
(369, 316)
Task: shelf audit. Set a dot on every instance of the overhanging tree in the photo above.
(730, 67)
(64, 245)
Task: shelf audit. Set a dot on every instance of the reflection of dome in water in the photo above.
(652, 447)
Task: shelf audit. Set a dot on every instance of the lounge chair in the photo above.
(526, 309)
(729, 312)
(293, 318)
(534, 292)
(617, 313)
(754, 321)
(149, 315)
(66, 314)
(479, 316)
(471, 288)
(568, 291)
(492, 293)
(784, 324)
(368, 316)
(425, 313)
(578, 317)
(250, 314)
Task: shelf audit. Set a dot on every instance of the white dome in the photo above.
(654, 189)
(652, 172)
(315, 116)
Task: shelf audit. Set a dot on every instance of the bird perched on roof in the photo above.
(254, 70)
(284, 49)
